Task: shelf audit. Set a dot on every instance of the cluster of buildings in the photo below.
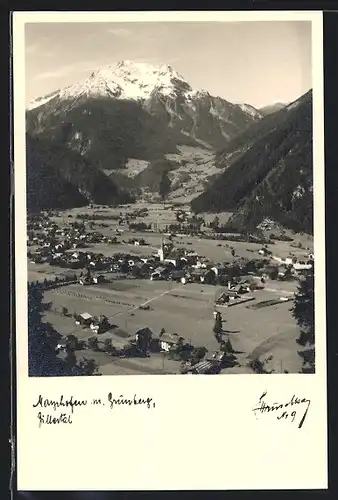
(143, 343)
(66, 247)
(238, 287)
(294, 263)
(54, 242)
(98, 324)
(185, 265)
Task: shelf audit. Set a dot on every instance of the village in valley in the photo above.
(157, 289)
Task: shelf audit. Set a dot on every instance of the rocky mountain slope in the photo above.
(267, 172)
(60, 178)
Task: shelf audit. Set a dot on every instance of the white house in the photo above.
(216, 270)
(157, 273)
(298, 266)
(284, 260)
(169, 340)
(191, 253)
(61, 346)
(200, 264)
(85, 318)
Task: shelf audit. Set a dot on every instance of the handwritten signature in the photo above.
(283, 411)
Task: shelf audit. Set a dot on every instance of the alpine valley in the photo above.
(108, 139)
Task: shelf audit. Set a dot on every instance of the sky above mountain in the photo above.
(254, 62)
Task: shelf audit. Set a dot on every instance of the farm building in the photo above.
(204, 368)
(85, 319)
(168, 341)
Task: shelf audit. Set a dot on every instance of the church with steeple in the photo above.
(164, 250)
(160, 251)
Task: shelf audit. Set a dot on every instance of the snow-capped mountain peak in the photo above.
(39, 101)
(158, 91)
(124, 80)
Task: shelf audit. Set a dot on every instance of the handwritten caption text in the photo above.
(62, 410)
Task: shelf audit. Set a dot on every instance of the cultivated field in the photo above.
(183, 309)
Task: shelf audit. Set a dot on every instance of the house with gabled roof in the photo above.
(84, 319)
(174, 256)
(204, 367)
(159, 273)
(214, 356)
(169, 341)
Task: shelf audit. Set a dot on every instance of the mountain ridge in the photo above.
(60, 178)
(160, 91)
(272, 108)
(267, 172)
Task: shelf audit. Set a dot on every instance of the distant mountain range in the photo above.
(272, 108)
(267, 172)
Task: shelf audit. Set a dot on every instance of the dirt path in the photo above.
(147, 302)
(132, 307)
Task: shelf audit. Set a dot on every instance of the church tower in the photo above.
(161, 251)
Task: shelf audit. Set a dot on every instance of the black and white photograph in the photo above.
(170, 198)
(169, 220)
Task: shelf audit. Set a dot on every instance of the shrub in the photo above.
(88, 366)
(93, 344)
(218, 326)
(108, 345)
